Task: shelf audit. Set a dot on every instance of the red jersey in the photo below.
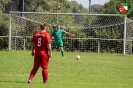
(40, 40)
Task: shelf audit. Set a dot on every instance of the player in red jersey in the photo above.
(41, 50)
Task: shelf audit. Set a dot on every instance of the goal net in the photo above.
(102, 33)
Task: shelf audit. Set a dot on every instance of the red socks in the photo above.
(33, 73)
(45, 75)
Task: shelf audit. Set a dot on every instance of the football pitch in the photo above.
(91, 71)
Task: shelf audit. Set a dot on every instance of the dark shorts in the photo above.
(58, 44)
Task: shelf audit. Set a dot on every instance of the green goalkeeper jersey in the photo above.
(57, 34)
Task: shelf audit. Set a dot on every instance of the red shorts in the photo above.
(41, 60)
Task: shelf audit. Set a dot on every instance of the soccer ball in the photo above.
(77, 57)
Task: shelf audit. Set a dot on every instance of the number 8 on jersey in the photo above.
(39, 42)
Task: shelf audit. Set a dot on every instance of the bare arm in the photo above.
(49, 49)
(32, 48)
(68, 33)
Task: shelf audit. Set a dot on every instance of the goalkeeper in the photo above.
(57, 34)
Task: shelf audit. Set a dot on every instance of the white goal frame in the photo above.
(12, 12)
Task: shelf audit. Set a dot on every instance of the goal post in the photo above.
(101, 33)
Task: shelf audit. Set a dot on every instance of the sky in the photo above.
(85, 3)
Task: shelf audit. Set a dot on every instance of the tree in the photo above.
(20, 5)
(3, 31)
(96, 8)
(108, 7)
(3, 24)
(3, 5)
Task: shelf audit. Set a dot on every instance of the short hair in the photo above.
(42, 26)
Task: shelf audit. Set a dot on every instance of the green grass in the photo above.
(91, 71)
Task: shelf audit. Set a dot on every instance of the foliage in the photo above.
(41, 6)
(96, 8)
(3, 31)
(3, 41)
(65, 6)
(108, 7)
(34, 6)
